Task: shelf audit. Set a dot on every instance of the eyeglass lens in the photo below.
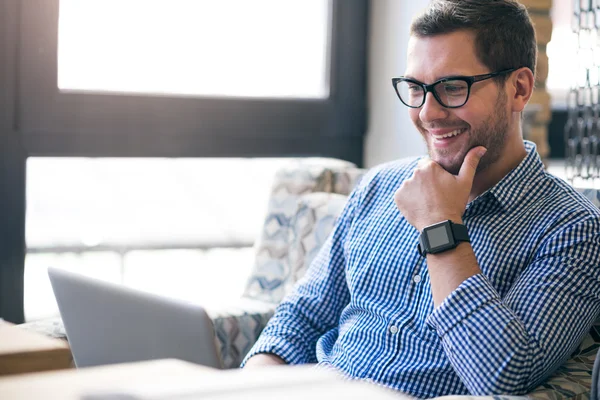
(449, 93)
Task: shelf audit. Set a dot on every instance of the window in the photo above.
(262, 102)
(195, 47)
(179, 227)
(44, 114)
(562, 51)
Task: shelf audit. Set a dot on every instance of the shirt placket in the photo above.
(400, 319)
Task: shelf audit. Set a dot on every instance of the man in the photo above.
(499, 292)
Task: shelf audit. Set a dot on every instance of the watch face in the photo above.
(437, 237)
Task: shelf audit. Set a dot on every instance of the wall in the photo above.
(537, 131)
(390, 133)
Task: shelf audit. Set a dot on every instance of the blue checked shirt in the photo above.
(365, 306)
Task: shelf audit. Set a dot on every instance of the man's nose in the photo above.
(432, 110)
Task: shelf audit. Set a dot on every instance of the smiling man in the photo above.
(471, 271)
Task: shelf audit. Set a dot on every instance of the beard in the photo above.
(491, 134)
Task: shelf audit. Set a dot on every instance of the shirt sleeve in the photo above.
(510, 345)
(315, 305)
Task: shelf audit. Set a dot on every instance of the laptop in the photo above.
(109, 323)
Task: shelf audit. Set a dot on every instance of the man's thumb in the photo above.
(469, 166)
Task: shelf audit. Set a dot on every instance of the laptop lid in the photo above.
(109, 323)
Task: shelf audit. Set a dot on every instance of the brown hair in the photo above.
(504, 33)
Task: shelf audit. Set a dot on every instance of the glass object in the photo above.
(240, 48)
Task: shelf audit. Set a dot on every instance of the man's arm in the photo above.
(313, 308)
(448, 270)
(433, 195)
(510, 345)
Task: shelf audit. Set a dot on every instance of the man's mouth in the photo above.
(449, 135)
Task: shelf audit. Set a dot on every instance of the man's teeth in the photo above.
(451, 134)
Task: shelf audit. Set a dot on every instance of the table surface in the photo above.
(14, 340)
(74, 383)
(22, 351)
(179, 380)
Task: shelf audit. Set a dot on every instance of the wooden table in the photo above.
(74, 383)
(24, 351)
(173, 379)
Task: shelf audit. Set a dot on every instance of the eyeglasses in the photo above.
(450, 92)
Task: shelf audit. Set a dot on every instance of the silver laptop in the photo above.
(108, 323)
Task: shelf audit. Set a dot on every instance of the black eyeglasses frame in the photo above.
(470, 80)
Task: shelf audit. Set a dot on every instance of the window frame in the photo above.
(75, 123)
(12, 173)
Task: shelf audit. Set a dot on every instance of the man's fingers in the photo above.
(469, 166)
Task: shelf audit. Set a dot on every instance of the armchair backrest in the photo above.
(271, 269)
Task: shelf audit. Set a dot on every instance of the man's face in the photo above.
(483, 120)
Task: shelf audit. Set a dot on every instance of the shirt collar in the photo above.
(515, 185)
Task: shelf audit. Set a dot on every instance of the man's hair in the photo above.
(504, 34)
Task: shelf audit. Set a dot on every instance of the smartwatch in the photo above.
(441, 237)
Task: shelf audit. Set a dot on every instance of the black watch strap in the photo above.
(460, 232)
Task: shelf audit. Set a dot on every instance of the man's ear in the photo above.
(522, 83)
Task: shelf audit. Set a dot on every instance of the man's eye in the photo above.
(455, 89)
(414, 88)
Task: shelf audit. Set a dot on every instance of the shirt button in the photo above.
(417, 278)
(393, 329)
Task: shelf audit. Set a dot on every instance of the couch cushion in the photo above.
(313, 222)
(300, 177)
(344, 181)
(237, 327)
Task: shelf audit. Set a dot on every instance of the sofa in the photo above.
(306, 198)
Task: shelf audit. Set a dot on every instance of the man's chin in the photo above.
(451, 166)
(454, 169)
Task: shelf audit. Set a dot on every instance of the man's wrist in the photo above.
(263, 359)
(441, 237)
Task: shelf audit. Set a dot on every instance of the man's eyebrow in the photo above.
(439, 78)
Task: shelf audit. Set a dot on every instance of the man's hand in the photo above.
(434, 195)
(262, 360)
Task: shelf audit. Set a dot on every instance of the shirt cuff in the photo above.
(474, 293)
(283, 348)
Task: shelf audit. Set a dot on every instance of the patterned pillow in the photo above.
(300, 177)
(310, 227)
(344, 181)
(237, 327)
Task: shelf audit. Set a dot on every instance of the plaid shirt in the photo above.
(365, 308)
